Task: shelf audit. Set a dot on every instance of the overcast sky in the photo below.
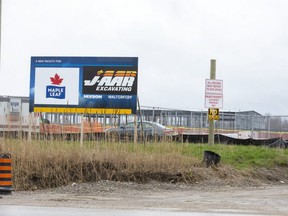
(173, 39)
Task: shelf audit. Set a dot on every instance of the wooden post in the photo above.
(30, 127)
(135, 129)
(211, 122)
(82, 130)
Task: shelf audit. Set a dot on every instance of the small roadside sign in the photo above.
(213, 114)
(213, 93)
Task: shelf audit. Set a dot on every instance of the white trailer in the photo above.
(15, 116)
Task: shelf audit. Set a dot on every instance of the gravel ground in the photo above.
(266, 199)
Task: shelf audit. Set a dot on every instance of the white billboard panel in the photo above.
(56, 86)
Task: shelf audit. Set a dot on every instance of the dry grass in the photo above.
(41, 164)
(47, 164)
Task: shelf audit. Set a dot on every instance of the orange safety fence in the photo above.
(88, 127)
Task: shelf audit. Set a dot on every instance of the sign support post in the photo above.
(135, 129)
(82, 131)
(30, 128)
(211, 122)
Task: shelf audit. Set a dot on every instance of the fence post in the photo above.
(30, 127)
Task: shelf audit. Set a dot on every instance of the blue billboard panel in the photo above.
(98, 85)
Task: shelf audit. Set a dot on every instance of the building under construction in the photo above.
(15, 117)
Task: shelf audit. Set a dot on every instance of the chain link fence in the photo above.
(240, 124)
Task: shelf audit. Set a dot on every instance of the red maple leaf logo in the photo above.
(56, 80)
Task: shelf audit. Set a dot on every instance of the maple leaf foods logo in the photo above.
(56, 80)
(55, 90)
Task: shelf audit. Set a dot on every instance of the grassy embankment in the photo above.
(46, 164)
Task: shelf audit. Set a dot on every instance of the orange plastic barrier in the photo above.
(5, 173)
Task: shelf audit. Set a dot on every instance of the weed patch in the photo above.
(43, 164)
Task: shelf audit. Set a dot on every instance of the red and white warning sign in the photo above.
(214, 93)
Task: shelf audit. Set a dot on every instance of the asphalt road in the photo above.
(61, 211)
(120, 200)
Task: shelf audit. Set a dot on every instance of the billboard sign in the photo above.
(213, 93)
(96, 85)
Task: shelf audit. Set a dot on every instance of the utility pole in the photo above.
(211, 122)
(0, 29)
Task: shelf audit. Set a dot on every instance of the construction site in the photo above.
(16, 121)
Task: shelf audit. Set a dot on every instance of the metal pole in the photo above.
(141, 122)
(201, 121)
(191, 122)
(211, 122)
(269, 129)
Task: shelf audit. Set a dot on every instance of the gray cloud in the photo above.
(174, 41)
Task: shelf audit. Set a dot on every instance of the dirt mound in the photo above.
(196, 175)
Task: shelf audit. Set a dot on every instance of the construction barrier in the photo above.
(5, 174)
